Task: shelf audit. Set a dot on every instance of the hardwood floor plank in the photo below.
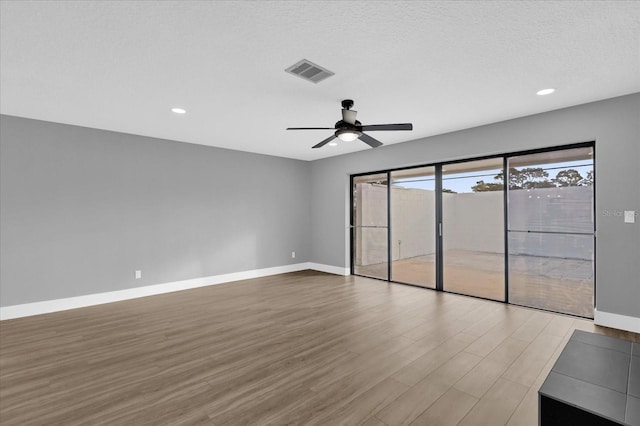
(496, 407)
(511, 321)
(404, 409)
(448, 410)
(332, 397)
(526, 414)
(533, 326)
(526, 368)
(362, 407)
(489, 370)
(374, 421)
(417, 370)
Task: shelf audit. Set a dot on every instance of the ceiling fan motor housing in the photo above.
(344, 125)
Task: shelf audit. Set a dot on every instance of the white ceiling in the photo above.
(444, 66)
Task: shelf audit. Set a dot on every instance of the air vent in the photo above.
(309, 71)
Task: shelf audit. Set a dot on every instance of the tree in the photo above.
(540, 184)
(534, 178)
(569, 177)
(449, 191)
(588, 181)
(482, 186)
(526, 178)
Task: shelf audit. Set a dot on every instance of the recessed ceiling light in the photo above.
(179, 110)
(545, 92)
(333, 144)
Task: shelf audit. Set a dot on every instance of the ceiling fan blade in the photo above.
(311, 128)
(399, 126)
(324, 142)
(349, 116)
(373, 143)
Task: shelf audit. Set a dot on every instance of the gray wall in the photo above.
(615, 126)
(81, 209)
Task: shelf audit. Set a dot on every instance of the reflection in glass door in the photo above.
(473, 228)
(370, 228)
(413, 236)
(551, 230)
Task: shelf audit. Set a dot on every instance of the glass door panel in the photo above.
(473, 228)
(551, 231)
(370, 229)
(413, 236)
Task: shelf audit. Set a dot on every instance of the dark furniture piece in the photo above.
(595, 381)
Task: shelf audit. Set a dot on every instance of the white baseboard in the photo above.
(621, 322)
(48, 306)
(337, 270)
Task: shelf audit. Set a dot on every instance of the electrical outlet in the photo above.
(293, 254)
(629, 216)
(138, 274)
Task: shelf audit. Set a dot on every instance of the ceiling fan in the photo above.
(349, 129)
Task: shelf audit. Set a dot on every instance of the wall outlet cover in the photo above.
(629, 216)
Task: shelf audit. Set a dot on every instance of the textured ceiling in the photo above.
(444, 66)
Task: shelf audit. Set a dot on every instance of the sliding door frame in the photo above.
(438, 231)
(389, 222)
(505, 231)
(352, 225)
(439, 218)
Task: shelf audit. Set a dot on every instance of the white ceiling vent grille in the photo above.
(309, 71)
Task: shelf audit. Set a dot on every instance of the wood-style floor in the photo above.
(299, 348)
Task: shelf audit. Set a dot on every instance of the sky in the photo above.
(462, 182)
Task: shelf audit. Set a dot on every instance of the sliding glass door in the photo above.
(413, 236)
(551, 231)
(473, 228)
(517, 228)
(370, 226)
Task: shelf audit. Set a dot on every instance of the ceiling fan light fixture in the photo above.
(347, 135)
